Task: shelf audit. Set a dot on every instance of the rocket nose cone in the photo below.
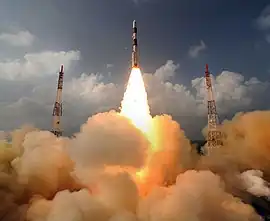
(134, 23)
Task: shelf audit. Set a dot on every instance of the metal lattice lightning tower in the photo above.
(57, 109)
(214, 138)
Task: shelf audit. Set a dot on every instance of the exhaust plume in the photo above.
(109, 139)
(192, 198)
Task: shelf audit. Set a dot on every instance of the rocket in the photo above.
(134, 61)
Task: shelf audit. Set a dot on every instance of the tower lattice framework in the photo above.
(57, 109)
(214, 135)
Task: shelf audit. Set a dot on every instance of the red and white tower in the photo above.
(214, 136)
(57, 109)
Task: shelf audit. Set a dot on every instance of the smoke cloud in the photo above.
(109, 139)
(255, 184)
(192, 198)
(246, 144)
(92, 176)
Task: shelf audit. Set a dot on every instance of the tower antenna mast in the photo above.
(214, 136)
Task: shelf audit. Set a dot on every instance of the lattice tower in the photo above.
(57, 109)
(214, 135)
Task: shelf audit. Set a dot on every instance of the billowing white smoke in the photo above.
(191, 198)
(109, 139)
(44, 165)
(255, 184)
(90, 177)
(195, 196)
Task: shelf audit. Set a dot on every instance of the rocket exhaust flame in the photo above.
(135, 105)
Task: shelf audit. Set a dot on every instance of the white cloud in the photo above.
(89, 94)
(20, 38)
(231, 90)
(195, 50)
(90, 89)
(166, 71)
(263, 21)
(37, 64)
(109, 65)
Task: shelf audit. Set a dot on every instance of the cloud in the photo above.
(109, 65)
(19, 39)
(263, 21)
(37, 64)
(166, 71)
(231, 90)
(90, 90)
(89, 93)
(195, 50)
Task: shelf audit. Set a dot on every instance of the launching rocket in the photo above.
(134, 62)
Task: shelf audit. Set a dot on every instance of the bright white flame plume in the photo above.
(134, 105)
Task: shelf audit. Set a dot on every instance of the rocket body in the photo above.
(134, 61)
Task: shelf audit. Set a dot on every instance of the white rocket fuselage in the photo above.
(134, 61)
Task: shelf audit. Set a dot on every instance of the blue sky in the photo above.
(100, 29)
(231, 36)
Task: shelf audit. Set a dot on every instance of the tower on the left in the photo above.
(57, 109)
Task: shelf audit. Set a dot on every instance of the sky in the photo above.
(92, 38)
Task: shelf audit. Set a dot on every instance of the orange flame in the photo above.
(135, 107)
(134, 104)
